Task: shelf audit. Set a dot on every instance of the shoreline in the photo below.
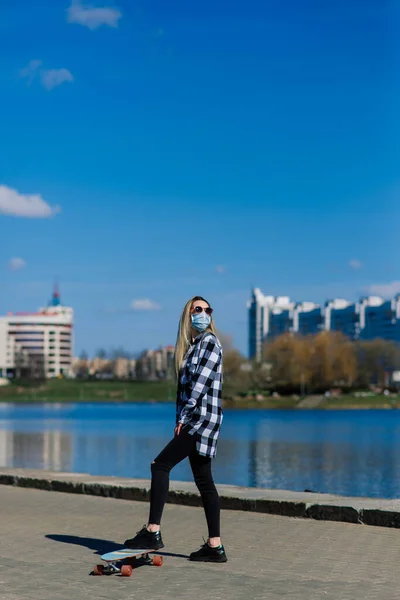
(100, 392)
(307, 505)
(347, 403)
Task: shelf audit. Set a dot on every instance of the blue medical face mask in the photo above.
(201, 321)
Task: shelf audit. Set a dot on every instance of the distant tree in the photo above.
(289, 357)
(119, 352)
(101, 353)
(235, 379)
(333, 360)
(233, 360)
(81, 367)
(258, 375)
(376, 359)
(319, 361)
(36, 367)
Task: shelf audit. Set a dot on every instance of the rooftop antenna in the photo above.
(55, 300)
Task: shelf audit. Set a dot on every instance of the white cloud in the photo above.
(31, 70)
(91, 16)
(24, 205)
(355, 264)
(15, 264)
(145, 304)
(51, 78)
(220, 269)
(387, 290)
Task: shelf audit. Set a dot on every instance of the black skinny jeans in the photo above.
(180, 447)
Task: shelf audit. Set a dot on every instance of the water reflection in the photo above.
(352, 453)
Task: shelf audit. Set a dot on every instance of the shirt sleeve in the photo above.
(208, 358)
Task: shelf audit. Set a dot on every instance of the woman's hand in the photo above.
(178, 428)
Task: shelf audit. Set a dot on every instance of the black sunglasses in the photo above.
(199, 309)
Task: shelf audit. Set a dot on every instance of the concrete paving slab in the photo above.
(50, 542)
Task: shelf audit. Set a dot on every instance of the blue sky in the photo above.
(155, 150)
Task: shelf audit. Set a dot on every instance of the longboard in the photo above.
(113, 560)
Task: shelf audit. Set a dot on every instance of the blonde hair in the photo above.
(184, 336)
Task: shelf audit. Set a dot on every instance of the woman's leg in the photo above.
(201, 467)
(178, 448)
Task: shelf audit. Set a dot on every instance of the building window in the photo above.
(24, 332)
(32, 347)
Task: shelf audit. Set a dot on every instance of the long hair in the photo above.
(184, 336)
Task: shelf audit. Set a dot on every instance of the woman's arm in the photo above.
(208, 359)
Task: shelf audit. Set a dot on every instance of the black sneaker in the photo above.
(209, 554)
(145, 539)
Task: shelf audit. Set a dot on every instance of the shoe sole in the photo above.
(207, 559)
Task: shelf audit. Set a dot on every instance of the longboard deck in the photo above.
(115, 558)
(123, 553)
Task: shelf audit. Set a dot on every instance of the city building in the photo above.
(344, 316)
(37, 345)
(124, 368)
(261, 325)
(151, 365)
(380, 318)
(156, 364)
(118, 367)
(280, 321)
(100, 366)
(370, 318)
(307, 318)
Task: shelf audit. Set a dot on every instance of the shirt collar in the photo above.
(199, 337)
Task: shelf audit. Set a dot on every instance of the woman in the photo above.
(198, 364)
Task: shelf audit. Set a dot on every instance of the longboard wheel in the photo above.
(126, 570)
(98, 570)
(157, 561)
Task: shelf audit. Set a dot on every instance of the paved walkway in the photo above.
(51, 540)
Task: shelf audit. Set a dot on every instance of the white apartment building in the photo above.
(342, 315)
(307, 318)
(40, 344)
(260, 310)
(380, 318)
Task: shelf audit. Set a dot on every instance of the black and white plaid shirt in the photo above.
(198, 401)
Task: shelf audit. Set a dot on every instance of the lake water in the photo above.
(354, 453)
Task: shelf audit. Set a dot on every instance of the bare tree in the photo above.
(319, 361)
(376, 360)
